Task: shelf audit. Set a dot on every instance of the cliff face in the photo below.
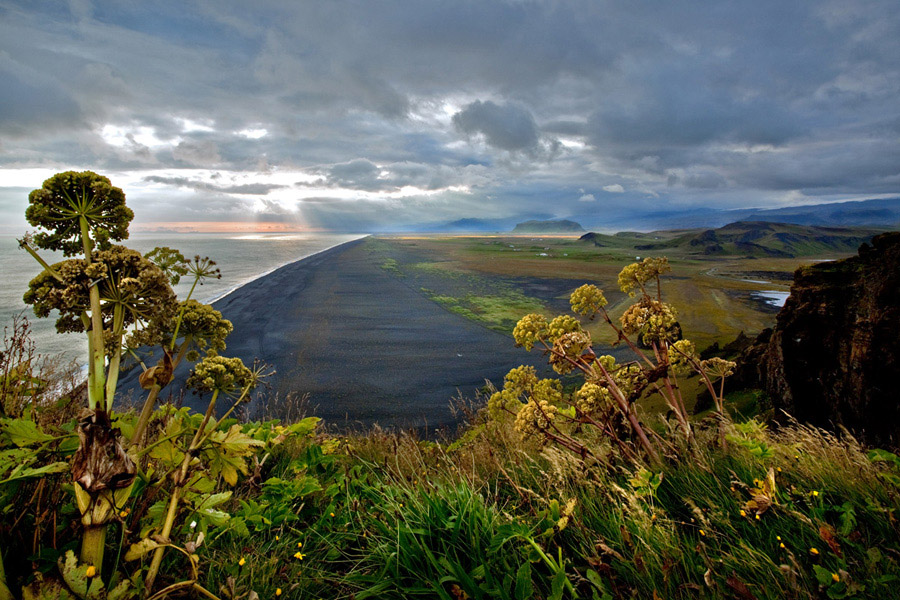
(833, 358)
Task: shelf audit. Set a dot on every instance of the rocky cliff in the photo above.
(833, 358)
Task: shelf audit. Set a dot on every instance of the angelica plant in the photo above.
(223, 376)
(610, 389)
(199, 327)
(102, 292)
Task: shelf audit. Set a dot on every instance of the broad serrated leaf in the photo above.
(226, 466)
(46, 589)
(24, 432)
(235, 442)
(75, 576)
(167, 453)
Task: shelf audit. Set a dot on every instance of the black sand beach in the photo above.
(367, 348)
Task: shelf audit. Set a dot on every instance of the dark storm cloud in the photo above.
(255, 189)
(672, 102)
(364, 175)
(505, 127)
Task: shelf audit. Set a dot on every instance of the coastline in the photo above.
(367, 348)
(238, 286)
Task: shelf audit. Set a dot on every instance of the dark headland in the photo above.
(366, 347)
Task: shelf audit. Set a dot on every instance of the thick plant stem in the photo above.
(176, 493)
(146, 413)
(629, 414)
(96, 379)
(150, 402)
(166, 530)
(93, 543)
(112, 378)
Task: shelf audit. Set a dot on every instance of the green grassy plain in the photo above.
(495, 280)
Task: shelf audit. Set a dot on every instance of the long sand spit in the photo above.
(365, 346)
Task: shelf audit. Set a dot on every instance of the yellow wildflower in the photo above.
(242, 562)
(332, 514)
(743, 513)
(91, 571)
(814, 551)
(299, 544)
(781, 545)
(702, 532)
(277, 591)
(299, 555)
(778, 537)
(757, 517)
(835, 577)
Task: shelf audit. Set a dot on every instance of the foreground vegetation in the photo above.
(555, 489)
(484, 516)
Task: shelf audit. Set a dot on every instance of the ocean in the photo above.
(241, 258)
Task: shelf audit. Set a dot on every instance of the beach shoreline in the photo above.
(366, 348)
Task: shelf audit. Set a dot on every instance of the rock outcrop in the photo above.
(833, 358)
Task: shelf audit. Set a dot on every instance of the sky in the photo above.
(390, 115)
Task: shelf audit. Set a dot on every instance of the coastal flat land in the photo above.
(494, 280)
(365, 346)
(389, 330)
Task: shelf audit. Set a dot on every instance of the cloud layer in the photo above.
(389, 115)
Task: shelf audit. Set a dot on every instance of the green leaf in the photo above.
(211, 500)
(167, 453)
(823, 576)
(123, 591)
(141, 548)
(235, 442)
(837, 591)
(524, 589)
(595, 579)
(215, 517)
(884, 456)
(26, 473)
(24, 432)
(46, 589)
(227, 466)
(75, 576)
(558, 585)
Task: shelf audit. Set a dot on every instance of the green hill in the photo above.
(743, 238)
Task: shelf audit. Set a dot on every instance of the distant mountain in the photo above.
(881, 212)
(743, 238)
(553, 226)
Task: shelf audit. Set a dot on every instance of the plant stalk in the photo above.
(173, 502)
(93, 543)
